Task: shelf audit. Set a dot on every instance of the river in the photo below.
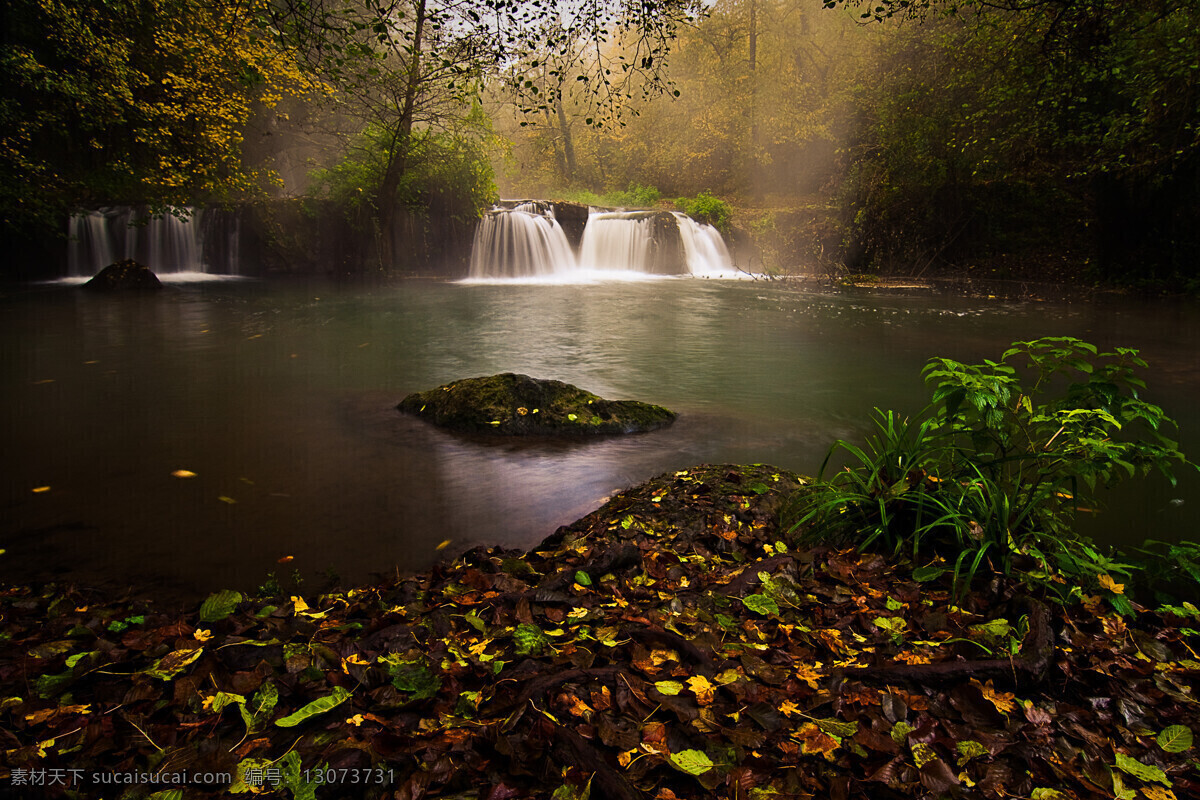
(280, 398)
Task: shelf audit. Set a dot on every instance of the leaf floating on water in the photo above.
(284, 560)
(183, 473)
(41, 489)
(225, 499)
(442, 545)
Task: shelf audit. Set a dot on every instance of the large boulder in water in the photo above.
(127, 275)
(518, 405)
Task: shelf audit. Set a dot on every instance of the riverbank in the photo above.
(668, 645)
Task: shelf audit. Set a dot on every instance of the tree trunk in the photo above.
(568, 145)
(401, 146)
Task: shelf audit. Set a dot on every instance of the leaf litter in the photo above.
(671, 644)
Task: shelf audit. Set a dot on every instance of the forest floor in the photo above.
(668, 645)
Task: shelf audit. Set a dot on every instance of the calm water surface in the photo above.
(280, 399)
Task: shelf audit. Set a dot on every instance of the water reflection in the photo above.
(281, 400)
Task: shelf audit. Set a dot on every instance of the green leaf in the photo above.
(223, 699)
(761, 604)
(167, 794)
(170, 665)
(835, 727)
(1175, 739)
(318, 706)
(529, 639)
(1143, 772)
(671, 688)
(693, 762)
(926, 574)
(583, 579)
(1047, 794)
(220, 605)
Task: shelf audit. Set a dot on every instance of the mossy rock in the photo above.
(127, 275)
(518, 405)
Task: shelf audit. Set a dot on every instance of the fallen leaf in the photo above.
(183, 473)
(40, 489)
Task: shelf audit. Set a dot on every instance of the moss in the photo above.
(518, 405)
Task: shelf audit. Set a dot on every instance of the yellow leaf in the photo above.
(788, 708)
(225, 499)
(1108, 583)
(443, 545)
(815, 740)
(201, 636)
(40, 489)
(810, 674)
(1005, 702)
(626, 758)
(356, 720)
(1157, 793)
(299, 604)
(701, 687)
(183, 473)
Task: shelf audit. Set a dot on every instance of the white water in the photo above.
(707, 256)
(89, 244)
(518, 244)
(525, 244)
(185, 242)
(616, 240)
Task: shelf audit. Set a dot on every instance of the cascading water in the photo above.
(706, 253)
(525, 241)
(89, 244)
(202, 241)
(519, 244)
(617, 240)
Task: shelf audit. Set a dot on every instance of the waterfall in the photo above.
(180, 241)
(524, 240)
(707, 255)
(170, 243)
(617, 240)
(519, 244)
(89, 244)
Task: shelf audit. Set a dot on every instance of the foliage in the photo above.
(447, 175)
(635, 196)
(997, 467)
(132, 102)
(995, 127)
(499, 674)
(707, 208)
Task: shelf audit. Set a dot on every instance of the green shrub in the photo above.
(707, 208)
(635, 196)
(995, 469)
(447, 175)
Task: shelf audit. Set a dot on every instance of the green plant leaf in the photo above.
(1175, 739)
(693, 762)
(671, 688)
(170, 665)
(220, 605)
(316, 707)
(1143, 772)
(583, 579)
(926, 574)
(761, 604)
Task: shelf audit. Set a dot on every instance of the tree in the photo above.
(121, 101)
(1078, 97)
(409, 67)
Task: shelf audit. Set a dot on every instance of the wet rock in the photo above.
(518, 405)
(127, 275)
